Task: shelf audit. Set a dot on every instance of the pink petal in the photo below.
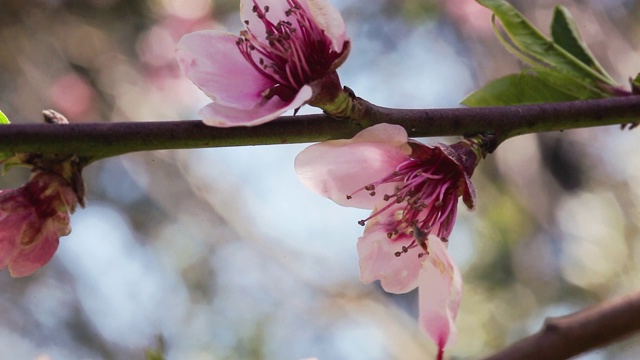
(10, 229)
(211, 60)
(392, 135)
(32, 218)
(219, 115)
(328, 19)
(31, 258)
(440, 291)
(14, 214)
(397, 274)
(337, 168)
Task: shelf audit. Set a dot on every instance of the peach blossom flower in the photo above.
(413, 190)
(286, 57)
(32, 219)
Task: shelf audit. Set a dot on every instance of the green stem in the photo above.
(99, 140)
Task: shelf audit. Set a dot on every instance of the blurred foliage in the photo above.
(223, 254)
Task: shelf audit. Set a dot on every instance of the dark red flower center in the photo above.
(429, 188)
(293, 52)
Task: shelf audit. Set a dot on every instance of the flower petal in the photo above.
(392, 135)
(337, 168)
(31, 258)
(219, 115)
(440, 291)
(211, 60)
(397, 274)
(328, 19)
(14, 214)
(10, 229)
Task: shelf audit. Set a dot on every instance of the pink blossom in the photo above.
(32, 219)
(286, 57)
(413, 190)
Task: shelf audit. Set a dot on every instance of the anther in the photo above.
(349, 197)
(361, 222)
(373, 193)
(420, 236)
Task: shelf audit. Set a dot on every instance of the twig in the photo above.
(97, 140)
(567, 336)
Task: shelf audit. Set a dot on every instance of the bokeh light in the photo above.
(223, 254)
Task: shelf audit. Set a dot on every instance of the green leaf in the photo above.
(3, 118)
(4, 156)
(565, 33)
(153, 355)
(579, 88)
(516, 89)
(534, 48)
(9, 160)
(635, 84)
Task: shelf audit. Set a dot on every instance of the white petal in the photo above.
(376, 251)
(219, 115)
(440, 292)
(329, 19)
(212, 60)
(338, 168)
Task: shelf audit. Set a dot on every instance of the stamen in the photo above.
(292, 54)
(429, 189)
(421, 237)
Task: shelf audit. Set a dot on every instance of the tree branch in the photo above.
(97, 140)
(567, 336)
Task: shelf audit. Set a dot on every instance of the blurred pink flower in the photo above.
(32, 219)
(471, 17)
(73, 96)
(286, 57)
(413, 190)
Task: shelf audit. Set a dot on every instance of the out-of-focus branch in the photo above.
(567, 336)
(97, 140)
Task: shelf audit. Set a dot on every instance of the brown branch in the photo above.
(567, 336)
(97, 140)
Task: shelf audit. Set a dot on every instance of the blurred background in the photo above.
(222, 254)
